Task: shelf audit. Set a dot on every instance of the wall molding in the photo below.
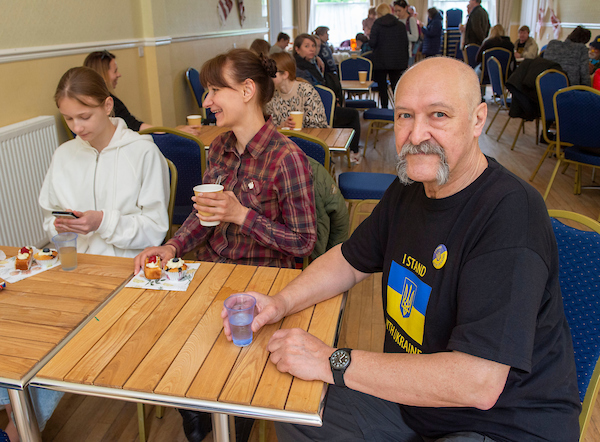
(563, 25)
(39, 52)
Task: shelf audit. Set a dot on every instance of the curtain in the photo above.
(303, 8)
(529, 14)
(503, 12)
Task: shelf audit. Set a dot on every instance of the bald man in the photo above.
(477, 347)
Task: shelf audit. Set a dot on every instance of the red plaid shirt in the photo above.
(272, 177)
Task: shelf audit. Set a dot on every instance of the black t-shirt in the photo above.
(477, 272)
(121, 111)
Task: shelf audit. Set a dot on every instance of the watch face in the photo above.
(340, 359)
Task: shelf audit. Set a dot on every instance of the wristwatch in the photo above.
(339, 362)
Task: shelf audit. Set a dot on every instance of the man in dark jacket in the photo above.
(478, 24)
(390, 50)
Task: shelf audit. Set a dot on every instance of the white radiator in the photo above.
(26, 149)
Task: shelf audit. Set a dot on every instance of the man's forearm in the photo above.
(328, 276)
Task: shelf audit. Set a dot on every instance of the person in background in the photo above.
(478, 24)
(416, 46)
(294, 95)
(367, 23)
(326, 52)
(525, 46)
(432, 33)
(572, 55)
(594, 54)
(260, 47)
(105, 64)
(389, 41)
(496, 39)
(412, 29)
(362, 43)
(306, 68)
(283, 40)
(121, 212)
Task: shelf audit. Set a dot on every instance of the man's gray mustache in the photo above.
(426, 147)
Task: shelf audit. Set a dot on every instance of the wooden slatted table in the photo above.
(338, 139)
(39, 314)
(168, 348)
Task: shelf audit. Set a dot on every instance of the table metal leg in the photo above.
(223, 427)
(25, 419)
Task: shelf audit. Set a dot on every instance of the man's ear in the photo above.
(480, 116)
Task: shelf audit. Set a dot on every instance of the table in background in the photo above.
(168, 348)
(338, 139)
(39, 314)
(356, 86)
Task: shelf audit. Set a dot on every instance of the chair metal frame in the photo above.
(173, 191)
(470, 47)
(488, 53)
(375, 125)
(593, 387)
(307, 137)
(540, 94)
(560, 154)
(331, 100)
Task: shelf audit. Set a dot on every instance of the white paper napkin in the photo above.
(139, 281)
(11, 275)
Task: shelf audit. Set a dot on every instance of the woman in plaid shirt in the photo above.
(267, 212)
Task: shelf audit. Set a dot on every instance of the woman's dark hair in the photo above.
(432, 12)
(100, 62)
(402, 3)
(81, 84)
(580, 35)
(362, 37)
(260, 46)
(300, 39)
(242, 64)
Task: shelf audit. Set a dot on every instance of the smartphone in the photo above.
(62, 214)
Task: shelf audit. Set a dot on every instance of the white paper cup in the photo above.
(208, 188)
(194, 120)
(297, 117)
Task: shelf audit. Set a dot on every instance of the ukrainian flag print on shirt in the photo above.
(407, 298)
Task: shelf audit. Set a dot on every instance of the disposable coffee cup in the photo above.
(362, 76)
(240, 312)
(66, 244)
(297, 117)
(208, 188)
(194, 120)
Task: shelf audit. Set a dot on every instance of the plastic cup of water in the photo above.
(66, 244)
(240, 311)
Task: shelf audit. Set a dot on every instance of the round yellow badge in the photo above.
(440, 255)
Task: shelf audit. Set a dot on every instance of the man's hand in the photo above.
(165, 252)
(270, 309)
(300, 354)
(85, 222)
(224, 207)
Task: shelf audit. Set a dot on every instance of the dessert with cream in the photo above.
(175, 269)
(24, 258)
(152, 268)
(45, 255)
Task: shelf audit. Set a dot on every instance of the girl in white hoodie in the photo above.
(115, 180)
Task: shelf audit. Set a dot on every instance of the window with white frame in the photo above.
(342, 17)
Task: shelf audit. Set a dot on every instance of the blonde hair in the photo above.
(496, 31)
(100, 62)
(383, 9)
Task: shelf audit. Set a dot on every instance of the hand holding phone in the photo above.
(64, 214)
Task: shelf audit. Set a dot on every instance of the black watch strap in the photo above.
(338, 369)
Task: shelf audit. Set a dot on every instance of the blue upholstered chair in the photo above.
(470, 54)
(365, 185)
(349, 69)
(189, 156)
(193, 80)
(547, 84)
(504, 56)
(328, 99)
(576, 109)
(579, 258)
(378, 119)
(311, 146)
